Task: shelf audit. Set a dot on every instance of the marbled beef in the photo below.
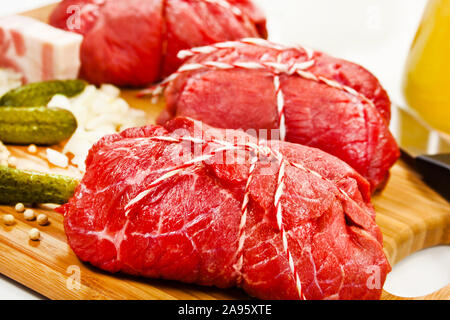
(219, 208)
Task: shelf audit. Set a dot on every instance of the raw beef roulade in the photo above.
(311, 98)
(201, 205)
(135, 42)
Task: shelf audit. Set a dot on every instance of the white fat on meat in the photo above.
(37, 50)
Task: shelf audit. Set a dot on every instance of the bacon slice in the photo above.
(39, 51)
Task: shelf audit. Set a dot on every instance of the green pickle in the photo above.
(36, 125)
(34, 187)
(40, 93)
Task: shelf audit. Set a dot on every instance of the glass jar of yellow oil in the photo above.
(427, 75)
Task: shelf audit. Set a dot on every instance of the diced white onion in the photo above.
(57, 158)
(4, 155)
(99, 112)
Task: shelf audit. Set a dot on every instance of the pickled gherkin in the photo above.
(36, 125)
(34, 187)
(40, 93)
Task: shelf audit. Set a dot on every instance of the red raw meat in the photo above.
(280, 220)
(135, 42)
(314, 99)
(38, 51)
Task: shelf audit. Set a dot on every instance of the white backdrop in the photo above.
(374, 33)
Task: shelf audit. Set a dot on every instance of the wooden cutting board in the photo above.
(412, 217)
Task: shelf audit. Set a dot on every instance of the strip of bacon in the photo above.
(39, 51)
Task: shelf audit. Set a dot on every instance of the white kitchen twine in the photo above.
(244, 213)
(280, 103)
(256, 150)
(276, 68)
(183, 54)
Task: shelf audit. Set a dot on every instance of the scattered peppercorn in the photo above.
(8, 219)
(29, 215)
(32, 148)
(34, 234)
(19, 207)
(42, 219)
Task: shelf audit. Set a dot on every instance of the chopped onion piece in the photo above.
(57, 158)
(99, 112)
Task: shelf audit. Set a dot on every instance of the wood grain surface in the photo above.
(411, 216)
